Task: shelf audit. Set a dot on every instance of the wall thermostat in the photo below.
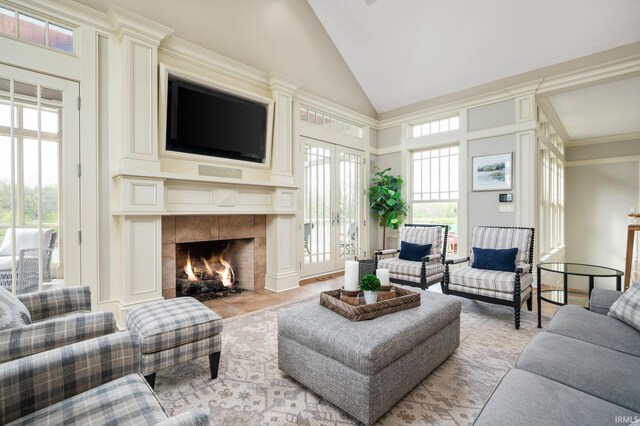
(506, 198)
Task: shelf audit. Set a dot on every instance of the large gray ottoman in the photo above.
(366, 367)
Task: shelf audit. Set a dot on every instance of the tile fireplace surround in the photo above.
(184, 229)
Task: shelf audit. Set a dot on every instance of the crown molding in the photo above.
(605, 139)
(126, 22)
(550, 113)
(208, 59)
(283, 83)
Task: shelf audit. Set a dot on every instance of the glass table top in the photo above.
(580, 269)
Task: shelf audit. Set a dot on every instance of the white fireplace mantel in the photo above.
(144, 192)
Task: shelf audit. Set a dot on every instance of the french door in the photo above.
(39, 183)
(332, 206)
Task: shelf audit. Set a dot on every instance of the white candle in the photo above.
(383, 276)
(351, 268)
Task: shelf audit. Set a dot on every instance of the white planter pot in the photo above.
(370, 297)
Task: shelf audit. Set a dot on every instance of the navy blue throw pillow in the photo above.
(495, 259)
(415, 252)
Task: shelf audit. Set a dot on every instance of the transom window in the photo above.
(331, 122)
(435, 126)
(35, 30)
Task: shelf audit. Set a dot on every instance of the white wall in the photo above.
(272, 36)
(599, 193)
(484, 205)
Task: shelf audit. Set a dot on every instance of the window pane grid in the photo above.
(331, 123)
(35, 30)
(435, 126)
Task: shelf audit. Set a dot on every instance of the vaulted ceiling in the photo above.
(409, 51)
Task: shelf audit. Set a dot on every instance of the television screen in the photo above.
(207, 122)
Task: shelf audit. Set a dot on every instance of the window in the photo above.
(35, 30)
(435, 189)
(35, 183)
(330, 122)
(551, 234)
(435, 126)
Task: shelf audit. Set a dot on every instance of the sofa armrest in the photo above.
(197, 417)
(42, 336)
(601, 300)
(432, 257)
(32, 383)
(386, 251)
(455, 260)
(47, 304)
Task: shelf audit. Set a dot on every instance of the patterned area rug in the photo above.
(251, 390)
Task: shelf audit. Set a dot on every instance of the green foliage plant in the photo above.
(370, 283)
(385, 199)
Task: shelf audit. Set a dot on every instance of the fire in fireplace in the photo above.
(203, 270)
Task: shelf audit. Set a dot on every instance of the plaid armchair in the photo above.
(497, 287)
(425, 272)
(60, 317)
(95, 381)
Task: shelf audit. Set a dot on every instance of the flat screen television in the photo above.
(204, 121)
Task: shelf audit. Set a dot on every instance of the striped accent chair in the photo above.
(430, 269)
(502, 288)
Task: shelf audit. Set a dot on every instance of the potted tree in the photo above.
(385, 199)
(370, 285)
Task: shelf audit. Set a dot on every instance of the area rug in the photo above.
(251, 390)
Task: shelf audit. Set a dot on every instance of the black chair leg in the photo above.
(530, 303)
(517, 315)
(151, 379)
(214, 363)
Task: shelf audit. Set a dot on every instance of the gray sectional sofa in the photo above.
(583, 370)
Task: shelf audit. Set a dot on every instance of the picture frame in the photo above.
(492, 172)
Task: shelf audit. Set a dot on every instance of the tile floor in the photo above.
(252, 301)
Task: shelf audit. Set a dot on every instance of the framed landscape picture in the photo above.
(492, 172)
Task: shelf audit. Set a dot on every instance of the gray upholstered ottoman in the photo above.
(366, 367)
(174, 331)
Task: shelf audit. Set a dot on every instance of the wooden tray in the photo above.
(405, 299)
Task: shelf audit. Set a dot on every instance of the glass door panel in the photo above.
(349, 205)
(332, 207)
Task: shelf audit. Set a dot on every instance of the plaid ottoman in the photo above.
(174, 331)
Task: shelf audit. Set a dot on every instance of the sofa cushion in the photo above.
(524, 293)
(125, 401)
(413, 252)
(627, 307)
(526, 399)
(596, 370)
(407, 267)
(489, 280)
(601, 300)
(579, 323)
(13, 313)
(26, 238)
(495, 259)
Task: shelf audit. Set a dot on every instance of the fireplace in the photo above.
(208, 257)
(211, 269)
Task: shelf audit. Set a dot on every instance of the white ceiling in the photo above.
(600, 111)
(409, 51)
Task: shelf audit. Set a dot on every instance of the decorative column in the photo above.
(140, 201)
(139, 39)
(282, 234)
